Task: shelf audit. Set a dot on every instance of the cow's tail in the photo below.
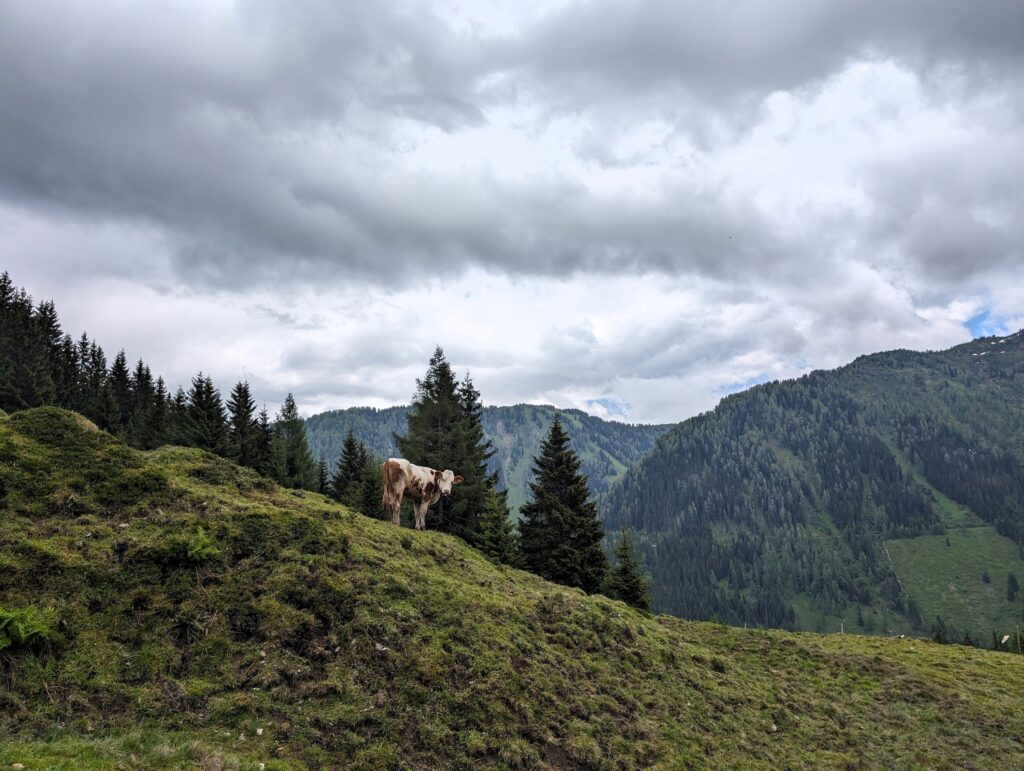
(385, 498)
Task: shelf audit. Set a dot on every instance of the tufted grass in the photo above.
(207, 618)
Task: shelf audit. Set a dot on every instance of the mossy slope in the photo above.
(206, 617)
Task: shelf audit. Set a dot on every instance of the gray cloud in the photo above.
(720, 54)
(834, 177)
(266, 141)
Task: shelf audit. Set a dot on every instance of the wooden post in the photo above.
(842, 630)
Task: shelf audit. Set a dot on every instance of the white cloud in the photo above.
(590, 205)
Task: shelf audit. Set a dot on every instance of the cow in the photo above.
(423, 486)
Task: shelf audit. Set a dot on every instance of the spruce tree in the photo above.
(470, 499)
(26, 378)
(139, 429)
(48, 324)
(177, 418)
(495, 535)
(368, 498)
(433, 423)
(560, 534)
(97, 397)
(626, 580)
(243, 427)
(348, 472)
(158, 428)
(294, 465)
(444, 432)
(206, 422)
(118, 396)
(323, 479)
(264, 444)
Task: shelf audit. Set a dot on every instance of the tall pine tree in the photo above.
(294, 465)
(205, 420)
(496, 535)
(560, 534)
(444, 432)
(348, 472)
(243, 427)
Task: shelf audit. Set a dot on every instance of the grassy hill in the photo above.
(607, 448)
(169, 608)
(875, 497)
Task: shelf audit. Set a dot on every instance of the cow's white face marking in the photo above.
(448, 478)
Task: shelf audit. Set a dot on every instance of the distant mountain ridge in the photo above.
(884, 495)
(607, 448)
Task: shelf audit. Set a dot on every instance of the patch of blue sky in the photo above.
(984, 324)
(742, 385)
(612, 405)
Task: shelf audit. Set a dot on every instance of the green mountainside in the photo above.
(607, 448)
(169, 608)
(886, 495)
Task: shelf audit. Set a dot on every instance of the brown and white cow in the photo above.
(423, 486)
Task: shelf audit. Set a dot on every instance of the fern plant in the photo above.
(25, 627)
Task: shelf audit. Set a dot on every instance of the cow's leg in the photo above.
(421, 515)
(396, 512)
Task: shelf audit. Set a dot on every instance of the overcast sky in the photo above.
(628, 206)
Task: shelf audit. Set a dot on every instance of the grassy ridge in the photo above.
(203, 616)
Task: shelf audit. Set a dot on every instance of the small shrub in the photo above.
(26, 627)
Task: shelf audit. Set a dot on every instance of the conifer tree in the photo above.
(66, 382)
(118, 396)
(496, 536)
(264, 444)
(26, 378)
(294, 465)
(349, 470)
(139, 429)
(560, 534)
(48, 324)
(431, 438)
(243, 428)
(368, 498)
(206, 422)
(177, 418)
(444, 432)
(626, 580)
(158, 430)
(97, 396)
(470, 499)
(323, 479)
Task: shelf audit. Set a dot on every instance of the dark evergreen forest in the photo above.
(775, 508)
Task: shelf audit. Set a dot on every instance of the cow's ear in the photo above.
(438, 475)
(458, 480)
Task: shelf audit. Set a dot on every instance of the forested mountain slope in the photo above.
(880, 495)
(172, 609)
(607, 448)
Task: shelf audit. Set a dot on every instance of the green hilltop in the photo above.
(169, 608)
(886, 495)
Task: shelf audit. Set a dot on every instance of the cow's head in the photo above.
(444, 481)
